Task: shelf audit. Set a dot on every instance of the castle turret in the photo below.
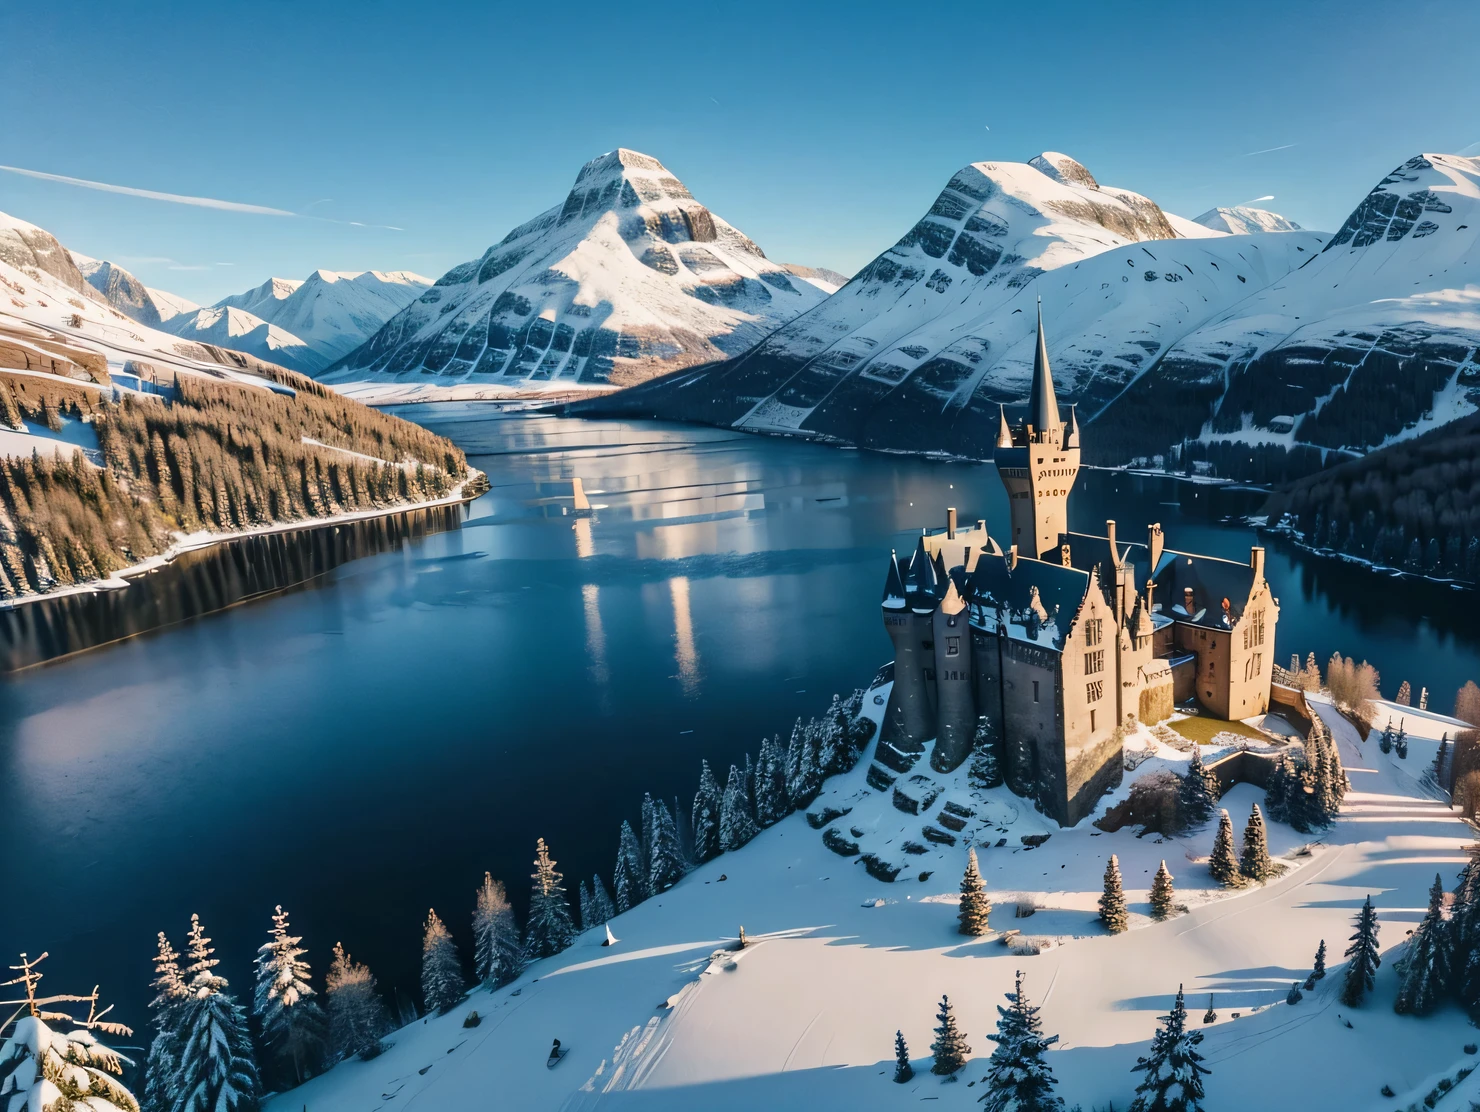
(955, 703)
(909, 603)
(1039, 468)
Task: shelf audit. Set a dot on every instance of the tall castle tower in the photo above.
(1038, 462)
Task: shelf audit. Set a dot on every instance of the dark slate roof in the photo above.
(1061, 591)
(921, 586)
(1211, 578)
(894, 585)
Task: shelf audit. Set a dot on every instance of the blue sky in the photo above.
(822, 131)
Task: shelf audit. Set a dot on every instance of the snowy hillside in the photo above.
(1243, 221)
(331, 312)
(916, 352)
(673, 1016)
(243, 331)
(129, 295)
(629, 277)
(1371, 341)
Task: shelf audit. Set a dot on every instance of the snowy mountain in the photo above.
(918, 350)
(130, 296)
(331, 312)
(245, 332)
(1243, 221)
(628, 277)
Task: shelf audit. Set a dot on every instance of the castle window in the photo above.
(1035, 691)
(1091, 719)
(1093, 630)
(1094, 662)
(1094, 692)
(953, 646)
(1254, 630)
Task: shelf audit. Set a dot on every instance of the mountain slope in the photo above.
(917, 351)
(243, 331)
(129, 295)
(1241, 220)
(629, 277)
(1371, 341)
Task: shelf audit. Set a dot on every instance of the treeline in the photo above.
(1414, 505)
(221, 458)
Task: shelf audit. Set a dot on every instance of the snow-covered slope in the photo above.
(1240, 220)
(130, 296)
(673, 1017)
(916, 352)
(331, 312)
(243, 331)
(629, 277)
(1372, 340)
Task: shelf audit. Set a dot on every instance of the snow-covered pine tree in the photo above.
(1173, 1067)
(549, 929)
(1198, 793)
(949, 1048)
(1223, 864)
(681, 817)
(498, 955)
(666, 867)
(803, 772)
(441, 969)
(357, 1015)
(630, 876)
(1019, 1079)
(1361, 970)
(836, 750)
(294, 1030)
(985, 770)
(1210, 1016)
(1318, 968)
(1294, 996)
(649, 822)
(1162, 893)
(771, 801)
(1113, 912)
(736, 823)
(170, 993)
(44, 1069)
(1427, 968)
(1277, 792)
(583, 905)
(601, 902)
(217, 1072)
(1441, 759)
(1385, 741)
(903, 1071)
(975, 909)
(706, 816)
(1254, 863)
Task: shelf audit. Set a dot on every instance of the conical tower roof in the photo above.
(1043, 407)
(1071, 435)
(920, 582)
(1004, 434)
(894, 585)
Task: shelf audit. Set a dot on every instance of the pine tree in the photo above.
(1361, 971)
(1223, 864)
(706, 816)
(1277, 793)
(1173, 1067)
(949, 1048)
(1198, 794)
(441, 969)
(1210, 1016)
(293, 1026)
(1113, 912)
(498, 955)
(357, 1015)
(903, 1071)
(583, 905)
(666, 867)
(976, 909)
(1162, 893)
(736, 823)
(161, 1085)
(601, 903)
(985, 770)
(549, 929)
(771, 801)
(1427, 968)
(217, 1073)
(1318, 968)
(1465, 932)
(1255, 864)
(1019, 1079)
(1440, 760)
(649, 823)
(1294, 996)
(630, 877)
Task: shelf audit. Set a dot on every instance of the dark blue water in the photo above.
(365, 748)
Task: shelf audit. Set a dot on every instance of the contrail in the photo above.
(185, 199)
(1256, 200)
(152, 194)
(1269, 150)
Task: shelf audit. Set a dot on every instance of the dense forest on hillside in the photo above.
(217, 456)
(1414, 505)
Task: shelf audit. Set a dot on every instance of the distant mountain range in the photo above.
(1262, 353)
(627, 278)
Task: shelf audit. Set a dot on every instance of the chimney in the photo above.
(1153, 543)
(1256, 561)
(1187, 600)
(1012, 557)
(1110, 537)
(950, 523)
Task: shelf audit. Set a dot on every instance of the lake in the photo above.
(364, 748)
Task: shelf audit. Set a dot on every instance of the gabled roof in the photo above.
(1211, 578)
(1060, 591)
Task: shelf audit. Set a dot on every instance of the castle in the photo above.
(1052, 646)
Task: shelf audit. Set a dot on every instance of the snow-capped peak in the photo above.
(1241, 220)
(1063, 169)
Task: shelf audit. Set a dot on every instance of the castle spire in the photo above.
(1004, 434)
(1043, 407)
(1071, 434)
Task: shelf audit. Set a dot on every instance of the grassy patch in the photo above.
(1202, 729)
